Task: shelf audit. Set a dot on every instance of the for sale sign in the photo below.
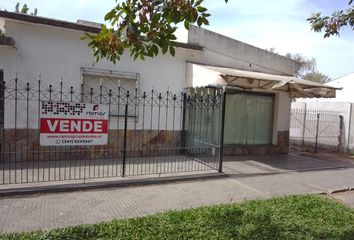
(64, 123)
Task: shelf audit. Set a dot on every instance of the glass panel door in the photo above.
(248, 119)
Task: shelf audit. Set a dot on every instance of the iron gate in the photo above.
(315, 131)
(149, 133)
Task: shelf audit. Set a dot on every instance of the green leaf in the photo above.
(200, 21)
(150, 53)
(164, 48)
(202, 9)
(172, 51)
(126, 29)
(186, 24)
(155, 49)
(136, 55)
(197, 3)
(132, 53)
(110, 14)
(205, 21)
(142, 56)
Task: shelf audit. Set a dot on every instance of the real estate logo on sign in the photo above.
(64, 123)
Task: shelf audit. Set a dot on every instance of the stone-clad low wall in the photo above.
(23, 145)
(140, 143)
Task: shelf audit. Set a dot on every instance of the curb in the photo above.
(340, 190)
(12, 192)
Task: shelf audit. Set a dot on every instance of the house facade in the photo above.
(259, 84)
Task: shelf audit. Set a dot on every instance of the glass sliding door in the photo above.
(248, 118)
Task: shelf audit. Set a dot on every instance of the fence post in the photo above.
(317, 129)
(2, 107)
(125, 138)
(340, 137)
(304, 127)
(222, 128)
(183, 133)
(2, 120)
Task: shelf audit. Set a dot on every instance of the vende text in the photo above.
(60, 125)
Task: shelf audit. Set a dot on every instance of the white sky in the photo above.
(279, 24)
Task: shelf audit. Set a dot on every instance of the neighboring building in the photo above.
(346, 94)
(259, 84)
(342, 104)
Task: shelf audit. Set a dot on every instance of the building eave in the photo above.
(72, 26)
(49, 22)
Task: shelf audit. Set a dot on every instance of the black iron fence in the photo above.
(148, 133)
(316, 131)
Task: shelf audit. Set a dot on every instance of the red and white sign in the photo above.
(63, 123)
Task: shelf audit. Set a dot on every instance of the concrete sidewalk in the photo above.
(48, 211)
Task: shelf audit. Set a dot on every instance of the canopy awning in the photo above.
(209, 76)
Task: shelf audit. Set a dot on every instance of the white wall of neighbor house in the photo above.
(346, 94)
(2, 25)
(342, 103)
(342, 108)
(58, 53)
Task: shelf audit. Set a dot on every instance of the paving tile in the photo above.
(48, 211)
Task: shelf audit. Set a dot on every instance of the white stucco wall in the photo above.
(347, 85)
(2, 25)
(58, 53)
(282, 107)
(344, 95)
(342, 108)
(342, 103)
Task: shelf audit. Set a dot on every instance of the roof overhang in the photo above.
(73, 26)
(210, 76)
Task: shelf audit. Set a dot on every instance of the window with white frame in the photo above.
(110, 87)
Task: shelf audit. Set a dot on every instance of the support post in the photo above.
(125, 139)
(2, 120)
(222, 128)
(304, 127)
(348, 142)
(184, 116)
(340, 136)
(317, 129)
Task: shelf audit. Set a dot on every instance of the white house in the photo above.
(259, 84)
